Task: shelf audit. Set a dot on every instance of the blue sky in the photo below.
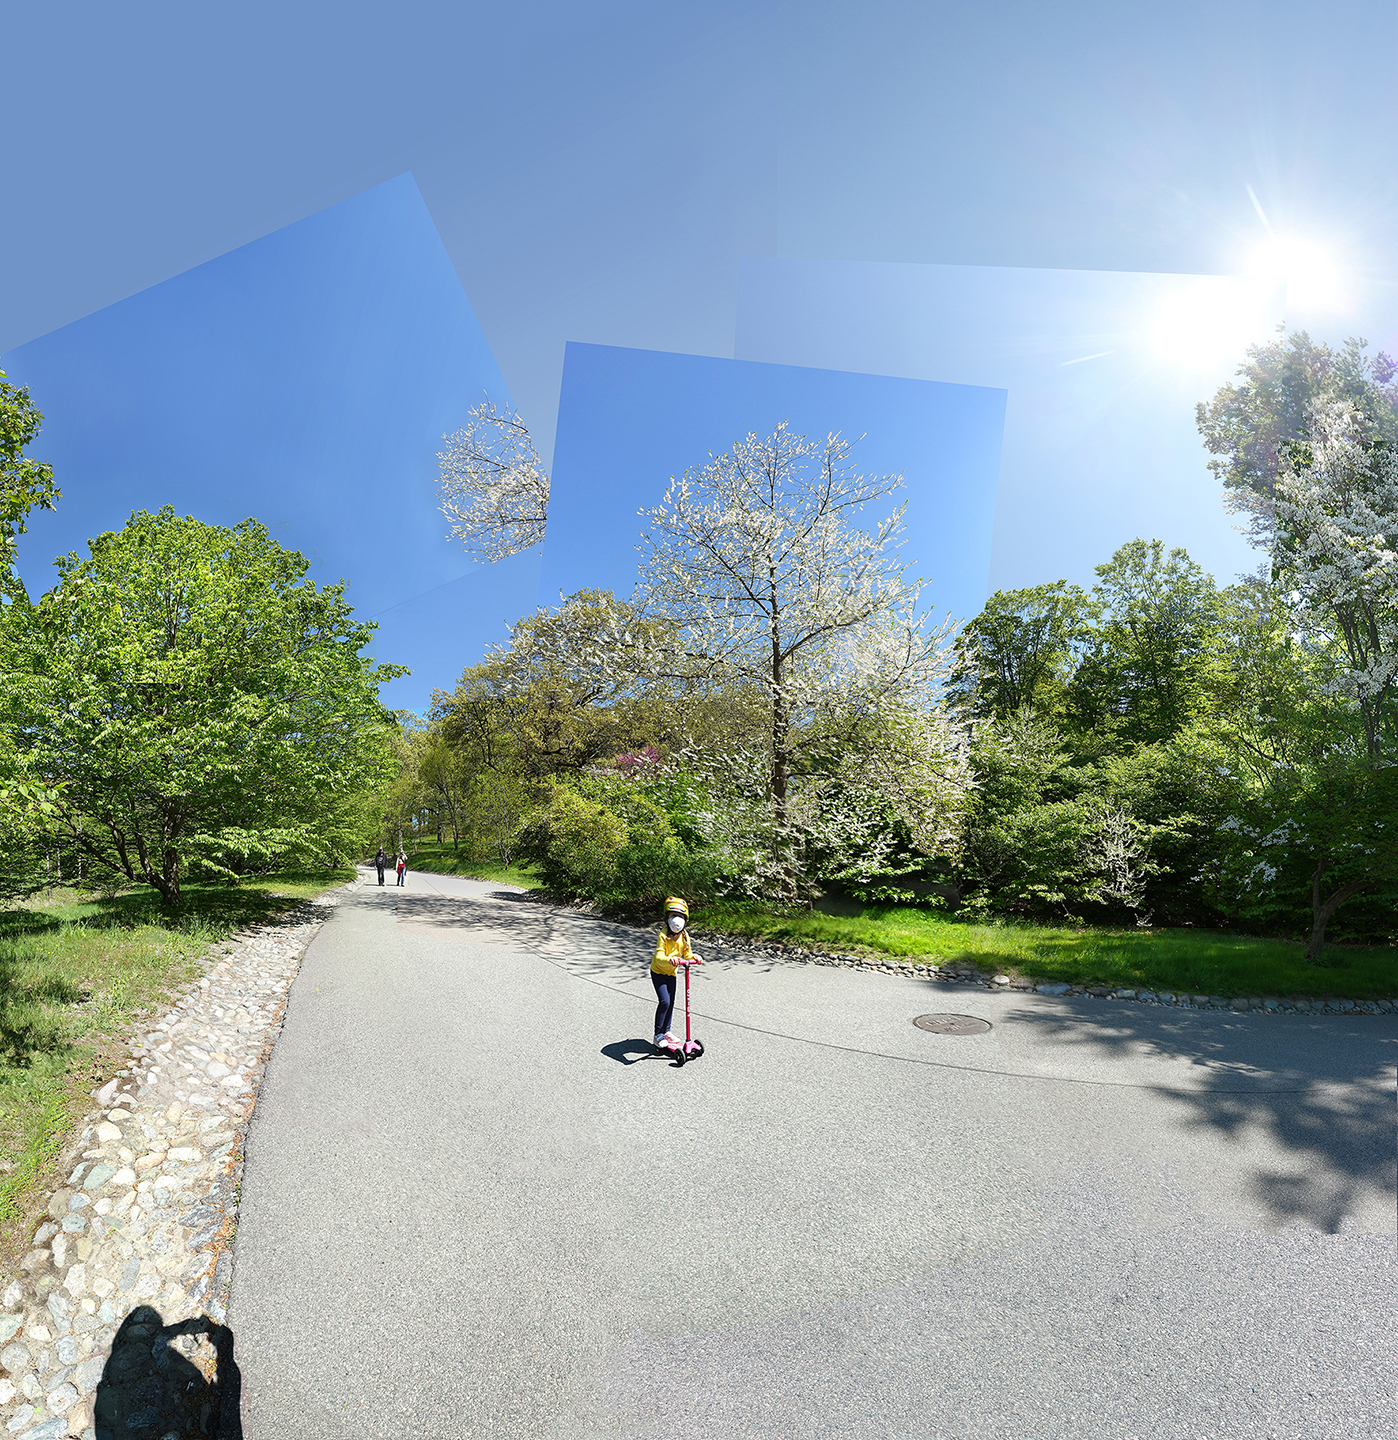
(630, 419)
(305, 380)
(597, 173)
(602, 175)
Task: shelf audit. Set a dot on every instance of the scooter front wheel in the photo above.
(680, 1057)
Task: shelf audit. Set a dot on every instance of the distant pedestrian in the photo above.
(402, 868)
(380, 863)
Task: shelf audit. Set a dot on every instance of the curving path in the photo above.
(472, 1206)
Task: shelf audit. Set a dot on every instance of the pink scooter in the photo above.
(693, 1047)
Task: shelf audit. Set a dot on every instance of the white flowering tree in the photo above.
(493, 487)
(1337, 562)
(761, 566)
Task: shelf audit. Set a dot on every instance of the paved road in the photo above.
(472, 1207)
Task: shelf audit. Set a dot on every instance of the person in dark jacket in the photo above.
(380, 863)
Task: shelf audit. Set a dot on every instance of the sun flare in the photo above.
(1313, 280)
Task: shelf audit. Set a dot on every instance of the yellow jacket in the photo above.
(666, 948)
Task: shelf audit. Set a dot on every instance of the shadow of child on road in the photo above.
(628, 1052)
(169, 1378)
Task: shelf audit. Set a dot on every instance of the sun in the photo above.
(1313, 279)
(1208, 321)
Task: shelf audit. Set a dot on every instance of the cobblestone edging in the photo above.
(997, 980)
(132, 1263)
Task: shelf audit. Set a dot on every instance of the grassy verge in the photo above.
(75, 973)
(437, 859)
(1204, 962)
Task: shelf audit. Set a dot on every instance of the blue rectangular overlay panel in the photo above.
(304, 380)
(629, 420)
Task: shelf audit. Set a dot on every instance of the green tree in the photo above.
(1020, 651)
(1313, 809)
(25, 483)
(197, 701)
(1143, 674)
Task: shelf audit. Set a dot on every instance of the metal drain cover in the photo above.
(952, 1024)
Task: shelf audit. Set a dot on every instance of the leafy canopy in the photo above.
(196, 698)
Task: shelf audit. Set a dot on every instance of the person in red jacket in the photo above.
(671, 948)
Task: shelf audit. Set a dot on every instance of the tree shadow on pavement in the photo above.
(488, 922)
(1320, 1089)
(163, 1379)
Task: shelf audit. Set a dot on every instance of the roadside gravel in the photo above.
(114, 1326)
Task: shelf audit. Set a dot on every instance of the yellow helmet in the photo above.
(675, 906)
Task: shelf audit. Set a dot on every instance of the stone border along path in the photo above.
(147, 1216)
(958, 973)
(995, 980)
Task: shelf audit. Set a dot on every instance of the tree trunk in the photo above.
(1322, 910)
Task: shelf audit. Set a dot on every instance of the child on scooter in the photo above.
(672, 947)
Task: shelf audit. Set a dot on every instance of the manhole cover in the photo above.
(951, 1024)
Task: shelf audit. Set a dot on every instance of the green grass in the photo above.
(1205, 962)
(76, 971)
(443, 860)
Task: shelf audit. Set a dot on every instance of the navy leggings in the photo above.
(665, 989)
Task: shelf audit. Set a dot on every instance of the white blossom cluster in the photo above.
(493, 487)
(1337, 557)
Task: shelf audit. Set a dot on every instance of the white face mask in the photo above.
(676, 924)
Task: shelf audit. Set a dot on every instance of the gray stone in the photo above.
(45, 1232)
(197, 1217)
(67, 1349)
(1056, 988)
(98, 1176)
(20, 1418)
(59, 1308)
(9, 1327)
(60, 1377)
(85, 1324)
(1346, 1004)
(15, 1358)
(1239, 1003)
(49, 1430)
(79, 1202)
(75, 1224)
(205, 1236)
(86, 1376)
(130, 1274)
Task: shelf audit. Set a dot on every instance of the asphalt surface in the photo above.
(474, 1206)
